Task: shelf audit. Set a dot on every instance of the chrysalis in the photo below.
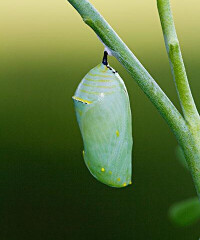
(104, 117)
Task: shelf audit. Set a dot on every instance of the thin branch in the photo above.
(191, 145)
(118, 48)
(176, 62)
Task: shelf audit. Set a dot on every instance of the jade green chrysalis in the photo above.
(104, 117)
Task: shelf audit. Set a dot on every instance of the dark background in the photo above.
(46, 192)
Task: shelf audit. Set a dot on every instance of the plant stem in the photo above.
(177, 66)
(191, 148)
(191, 143)
(118, 48)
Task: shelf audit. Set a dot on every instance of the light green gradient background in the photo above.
(46, 192)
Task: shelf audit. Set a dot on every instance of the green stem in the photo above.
(191, 142)
(118, 48)
(177, 66)
(191, 148)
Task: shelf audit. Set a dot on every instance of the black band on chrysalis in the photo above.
(105, 58)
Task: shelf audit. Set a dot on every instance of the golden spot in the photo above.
(130, 182)
(103, 169)
(117, 133)
(124, 184)
(83, 153)
(119, 179)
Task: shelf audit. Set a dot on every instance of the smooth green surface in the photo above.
(47, 192)
(104, 116)
(186, 212)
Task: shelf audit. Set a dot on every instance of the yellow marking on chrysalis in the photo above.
(98, 80)
(88, 85)
(83, 153)
(124, 184)
(130, 182)
(95, 93)
(110, 172)
(100, 75)
(103, 169)
(119, 179)
(117, 133)
(81, 100)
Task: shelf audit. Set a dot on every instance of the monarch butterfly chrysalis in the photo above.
(104, 117)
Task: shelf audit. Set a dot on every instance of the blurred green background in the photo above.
(46, 192)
